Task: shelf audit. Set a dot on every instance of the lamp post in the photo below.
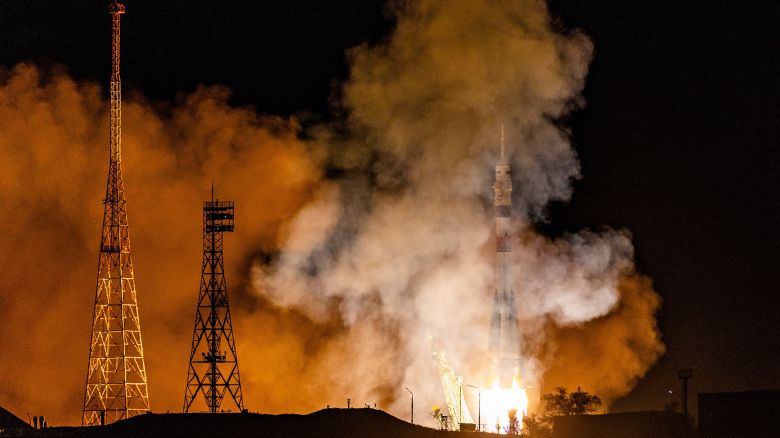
(684, 375)
(410, 392)
(460, 405)
(479, 398)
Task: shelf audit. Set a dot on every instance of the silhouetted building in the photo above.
(650, 424)
(751, 414)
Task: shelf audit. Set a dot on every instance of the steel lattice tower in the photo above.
(213, 369)
(116, 378)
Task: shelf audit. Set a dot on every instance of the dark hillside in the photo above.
(9, 420)
(327, 423)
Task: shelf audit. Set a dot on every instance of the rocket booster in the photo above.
(504, 344)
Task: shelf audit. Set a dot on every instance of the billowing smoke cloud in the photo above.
(339, 284)
(401, 248)
(53, 139)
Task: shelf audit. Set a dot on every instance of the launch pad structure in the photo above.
(116, 376)
(213, 368)
(453, 392)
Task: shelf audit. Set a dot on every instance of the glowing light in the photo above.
(503, 409)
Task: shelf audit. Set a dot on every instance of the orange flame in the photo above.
(504, 408)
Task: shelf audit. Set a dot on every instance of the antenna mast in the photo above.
(213, 371)
(116, 377)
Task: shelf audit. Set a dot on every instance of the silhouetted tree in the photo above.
(559, 403)
(578, 402)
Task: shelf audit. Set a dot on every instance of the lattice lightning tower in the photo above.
(116, 378)
(213, 370)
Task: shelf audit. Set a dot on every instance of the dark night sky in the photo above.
(678, 142)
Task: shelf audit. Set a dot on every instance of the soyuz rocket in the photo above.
(504, 345)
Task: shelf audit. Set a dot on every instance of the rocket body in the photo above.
(504, 345)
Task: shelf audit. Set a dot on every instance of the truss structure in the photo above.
(453, 392)
(116, 377)
(213, 369)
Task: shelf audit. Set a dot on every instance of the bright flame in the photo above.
(501, 407)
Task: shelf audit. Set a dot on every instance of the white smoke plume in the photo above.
(401, 247)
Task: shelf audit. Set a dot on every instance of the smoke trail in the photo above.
(401, 246)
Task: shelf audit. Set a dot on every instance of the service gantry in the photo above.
(213, 368)
(116, 377)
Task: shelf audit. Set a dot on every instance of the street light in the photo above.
(460, 404)
(479, 414)
(410, 392)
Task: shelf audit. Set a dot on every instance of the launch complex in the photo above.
(116, 384)
(116, 378)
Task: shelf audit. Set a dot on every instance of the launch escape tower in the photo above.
(213, 369)
(116, 377)
(504, 342)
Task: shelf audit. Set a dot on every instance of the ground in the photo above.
(327, 423)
